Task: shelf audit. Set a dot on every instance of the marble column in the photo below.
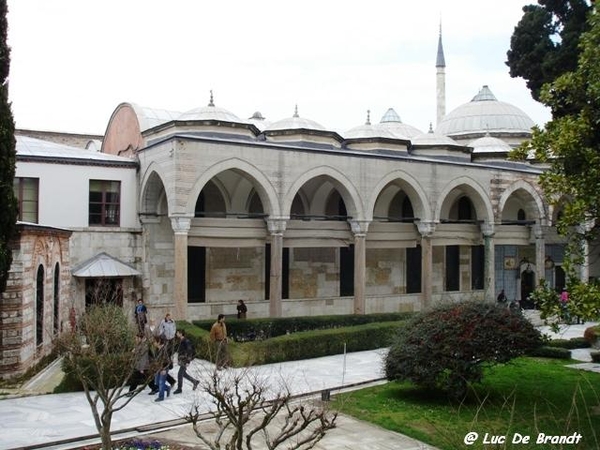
(276, 229)
(489, 271)
(540, 253)
(359, 229)
(181, 227)
(426, 230)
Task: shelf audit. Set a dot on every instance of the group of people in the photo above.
(156, 348)
(155, 353)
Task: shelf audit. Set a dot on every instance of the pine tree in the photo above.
(8, 204)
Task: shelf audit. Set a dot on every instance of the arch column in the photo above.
(181, 227)
(540, 253)
(359, 229)
(276, 227)
(426, 230)
(489, 270)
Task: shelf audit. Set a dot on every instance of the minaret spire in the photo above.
(440, 64)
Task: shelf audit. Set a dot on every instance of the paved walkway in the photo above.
(35, 421)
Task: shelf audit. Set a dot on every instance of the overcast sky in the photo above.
(74, 61)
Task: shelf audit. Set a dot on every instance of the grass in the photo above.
(528, 396)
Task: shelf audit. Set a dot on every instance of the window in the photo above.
(39, 306)
(477, 267)
(452, 268)
(105, 202)
(413, 270)
(27, 192)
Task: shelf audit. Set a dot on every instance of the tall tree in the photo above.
(544, 43)
(8, 204)
(570, 145)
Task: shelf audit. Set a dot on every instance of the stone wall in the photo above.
(35, 248)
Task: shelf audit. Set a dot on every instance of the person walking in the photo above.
(163, 362)
(185, 355)
(242, 309)
(142, 366)
(218, 338)
(141, 315)
(166, 330)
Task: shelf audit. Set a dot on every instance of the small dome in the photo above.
(392, 123)
(368, 131)
(295, 123)
(484, 113)
(433, 139)
(489, 144)
(210, 112)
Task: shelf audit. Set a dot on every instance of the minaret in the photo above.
(440, 64)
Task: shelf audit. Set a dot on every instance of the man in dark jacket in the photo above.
(185, 355)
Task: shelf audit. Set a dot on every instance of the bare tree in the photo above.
(101, 353)
(247, 410)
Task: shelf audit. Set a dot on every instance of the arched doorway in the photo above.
(527, 287)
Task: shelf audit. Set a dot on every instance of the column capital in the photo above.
(537, 231)
(276, 225)
(359, 227)
(487, 229)
(426, 229)
(181, 224)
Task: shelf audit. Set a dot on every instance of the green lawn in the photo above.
(529, 396)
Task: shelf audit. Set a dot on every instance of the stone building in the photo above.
(195, 210)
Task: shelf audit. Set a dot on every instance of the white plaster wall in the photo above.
(64, 192)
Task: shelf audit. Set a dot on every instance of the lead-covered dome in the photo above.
(369, 131)
(210, 112)
(489, 144)
(295, 123)
(392, 123)
(485, 114)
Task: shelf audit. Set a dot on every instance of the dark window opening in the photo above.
(413, 270)
(196, 274)
(347, 271)
(56, 311)
(39, 306)
(452, 268)
(477, 267)
(100, 291)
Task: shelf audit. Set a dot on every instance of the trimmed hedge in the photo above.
(298, 345)
(268, 328)
(551, 352)
(571, 344)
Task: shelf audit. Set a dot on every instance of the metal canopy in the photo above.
(103, 266)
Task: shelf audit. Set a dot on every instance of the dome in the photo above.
(369, 131)
(210, 112)
(433, 139)
(484, 113)
(295, 123)
(489, 144)
(392, 123)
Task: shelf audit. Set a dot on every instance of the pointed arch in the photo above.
(469, 187)
(536, 205)
(344, 186)
(260, 182)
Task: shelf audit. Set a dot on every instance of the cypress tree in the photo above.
(8, 203)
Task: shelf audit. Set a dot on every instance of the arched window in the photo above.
(56, 311)
(521, 215)
(39, 306)
(465, 209)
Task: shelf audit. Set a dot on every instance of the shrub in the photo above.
(448, 346)
(578, 342)
(551, 352)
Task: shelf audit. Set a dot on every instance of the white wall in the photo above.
(64, 192)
